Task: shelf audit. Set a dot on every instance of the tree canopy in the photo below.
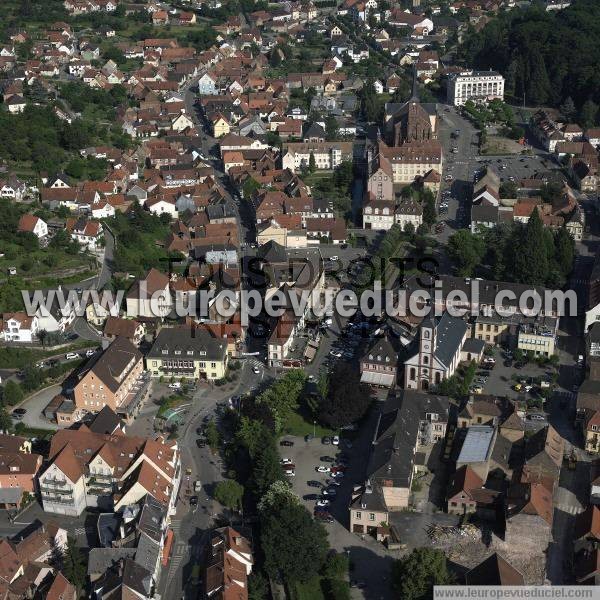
(414, 576)
(550, 57)
(294, 544)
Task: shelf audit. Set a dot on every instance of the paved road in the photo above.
(35, 404)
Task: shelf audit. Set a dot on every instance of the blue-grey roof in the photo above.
(478, 444)
(450, 332)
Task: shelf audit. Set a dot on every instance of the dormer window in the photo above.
(177, 352)
(165, 351)
(190, 353)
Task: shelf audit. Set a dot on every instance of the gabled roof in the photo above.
(494, 570)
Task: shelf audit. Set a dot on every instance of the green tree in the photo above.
(74, 565)
(12, 393)
(212, 435)
(531, 261)
(312, 163)
(331, 128)
(414, 576)
(266, 469)
(467, 250)
(429, 212)
(565, 251)
(588, 116)
(347, 399)
(295, 557)
(568, 110)
(508, 189)
(6, 423)
(281, 399)
(230, 493)
(258, 586)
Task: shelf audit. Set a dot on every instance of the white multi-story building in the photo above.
(475, 85)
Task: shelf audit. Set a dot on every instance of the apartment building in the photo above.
(188, 352)
(327, 155)
(475, 86)
(108, 471)
(114, 378)
(538, 336)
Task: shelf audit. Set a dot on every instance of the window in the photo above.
(412, 373)
(371, 516)
(426, 360)
(358, 516)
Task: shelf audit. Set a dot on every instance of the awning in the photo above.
(167, 547)
(373, 378)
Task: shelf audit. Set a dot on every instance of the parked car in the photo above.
(256, 370)
(325, 518)
(322, 469)
(335, 440)
(287, 443)
(327, 459)
(90, 352)
(330, 492)
(314, 483)
(290, 473)
(310, 497)
(200, 443)
(71, 355)
(323, 502)
(193, 500)
(326, 440)
(20, 412)
(175, 386)
(286, 461)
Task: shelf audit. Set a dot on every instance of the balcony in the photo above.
(135, 397)
(95, 482)
(57, 500)
(56, 488)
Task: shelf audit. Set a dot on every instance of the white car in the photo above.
(90, 352)
(335, 258)
(335, 353)
(71, 355)
(256, 370)
(338, 474)
(323, 502)
(286, 461)
(323, 469)
(335, 440)
(330, 492)
(290, 473)
(175, 386)
(311, 378)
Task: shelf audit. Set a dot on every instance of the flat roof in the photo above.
(477, 445)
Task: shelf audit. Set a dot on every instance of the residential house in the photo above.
(32, 224)
(18, 470)
(19, 327)
(130, 329)
(150, 297)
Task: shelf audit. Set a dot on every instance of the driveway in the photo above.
(35, 404)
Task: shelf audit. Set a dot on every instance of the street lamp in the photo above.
(314, 428)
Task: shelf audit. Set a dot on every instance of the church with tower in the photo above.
(441, 346)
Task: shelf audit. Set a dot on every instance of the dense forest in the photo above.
(550, 58)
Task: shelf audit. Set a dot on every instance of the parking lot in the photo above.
(309, 484)
(515, 166)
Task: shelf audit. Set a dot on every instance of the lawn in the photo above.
(308, 590)
(300, 425)
(33, 432)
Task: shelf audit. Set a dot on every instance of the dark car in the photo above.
(519, 365)
(206, 419)
(327, 459)
(314, 483)
(286, 443)
(310, 496)
(19, 411)
(193, 500)
(200, 443)
(308, 437)
(326, 440)
(325, 518)
(508, 362)
(199, 430)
